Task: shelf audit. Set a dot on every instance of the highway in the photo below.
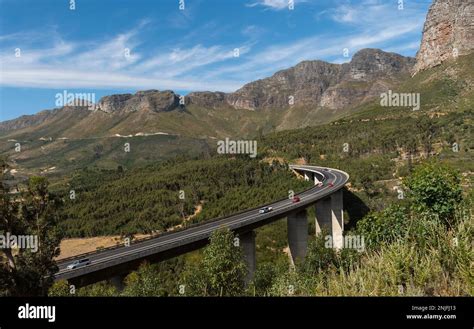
(240, 222)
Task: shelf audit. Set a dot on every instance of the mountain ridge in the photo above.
(308, 83)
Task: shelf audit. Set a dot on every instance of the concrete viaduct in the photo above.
(326, 196)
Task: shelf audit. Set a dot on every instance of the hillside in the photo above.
(377, 146)
(159, 197)
(311, 93)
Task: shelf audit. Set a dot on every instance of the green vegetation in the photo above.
(222, 270)
(435, 190)
(27, 270)
(158, 197)
(154, 279)
(408, 251)
(418, 242)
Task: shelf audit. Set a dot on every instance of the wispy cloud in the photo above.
(281, 56)
(193, 64)
(114, 63)
(275, 4)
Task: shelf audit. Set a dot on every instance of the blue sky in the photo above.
(118, 46)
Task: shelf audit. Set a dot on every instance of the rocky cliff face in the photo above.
(318, 83)
(309, 83)
(370, 72)
(206, 99)
(301, 84)
(149, 100)
(448, 32)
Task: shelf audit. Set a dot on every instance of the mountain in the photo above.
(318, 83)
(163, 124)
(448, 32)
(149, 100)
(310, 84)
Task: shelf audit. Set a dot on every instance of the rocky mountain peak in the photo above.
(371, 63)
(319, 83)
(148, 100)
(448, 32)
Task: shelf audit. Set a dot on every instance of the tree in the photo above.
(32, 215)
(9, 219)
(434, 188)
(223, 265)
(386, 226)
(426, 130)
(319, 257)
(264, 277)
(154, 279)
(60, 289)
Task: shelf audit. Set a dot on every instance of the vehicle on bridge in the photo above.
(79, 263)
(264, 210)
(296, 199)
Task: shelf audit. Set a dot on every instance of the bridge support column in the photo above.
(329, 218)
(298, 235)
(316, 180)
(117, 282)
(247, 241)
(306, 176)
(337, 220)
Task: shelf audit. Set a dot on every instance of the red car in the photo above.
(330, 184)
(296, 199)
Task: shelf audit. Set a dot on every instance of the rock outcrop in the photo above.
(149, 100)
(301, 84)
(448, 32)
(207, 99)
(318, 83)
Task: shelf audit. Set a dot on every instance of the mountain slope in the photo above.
(311, 84)
(160, 124)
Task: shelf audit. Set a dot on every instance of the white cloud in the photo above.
(106, 65)
(74, 78)
(191, 65)
(274, 4)
(283, 56)
(345, 14)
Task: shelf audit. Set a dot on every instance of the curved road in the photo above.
(332, 180)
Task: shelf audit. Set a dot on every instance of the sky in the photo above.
(121, 46)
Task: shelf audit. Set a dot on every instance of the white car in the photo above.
(79, 263)
(264, 210)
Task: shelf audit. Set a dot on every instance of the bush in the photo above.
(384, 227)
(434, 188)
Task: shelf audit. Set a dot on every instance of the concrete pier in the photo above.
(117, 282)
(329, 218)
(247, 242)
(298, 235)
(306, 176)
(337, 219)
(323, 215)
(316, 180)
